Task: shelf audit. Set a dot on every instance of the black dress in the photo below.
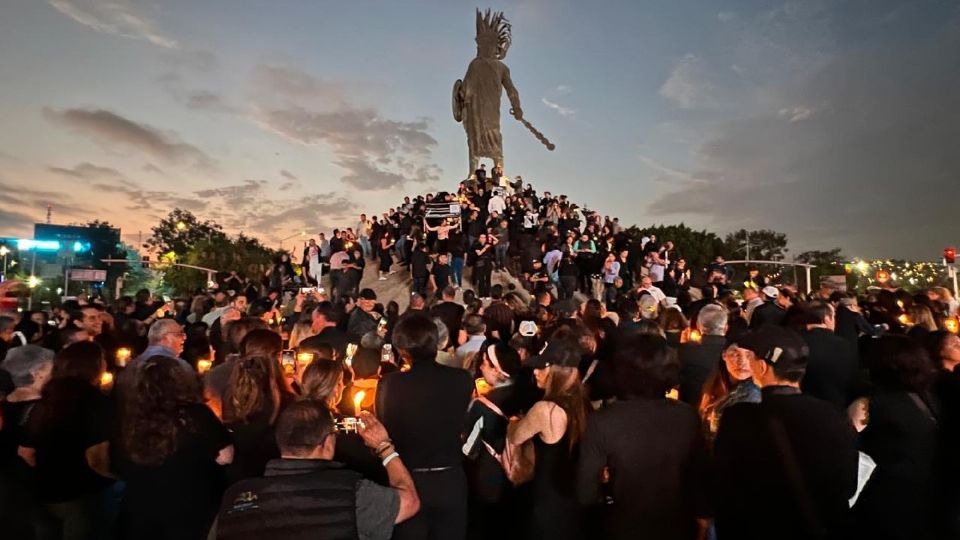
(556, 513)
(386, 260)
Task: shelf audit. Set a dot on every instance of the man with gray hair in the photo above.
(699, 358)
(165, 338)
(29, 367)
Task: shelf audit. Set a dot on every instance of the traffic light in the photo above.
(950, 255)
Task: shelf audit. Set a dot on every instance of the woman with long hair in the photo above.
(323, 382)
(729, 384)
(256, 393)
(171, 449)
(555, 424)
(902, 436)
(65, 442)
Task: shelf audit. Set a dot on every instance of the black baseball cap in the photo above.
(556, 353)
(780, 347)
(368, 294)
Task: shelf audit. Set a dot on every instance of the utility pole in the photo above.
(746, 235)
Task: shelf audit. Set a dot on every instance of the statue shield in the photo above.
(458, 100)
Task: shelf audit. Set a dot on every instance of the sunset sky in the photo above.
(835, 122)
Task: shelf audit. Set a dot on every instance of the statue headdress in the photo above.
(493, 25)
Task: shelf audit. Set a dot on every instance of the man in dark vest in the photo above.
(306, 495)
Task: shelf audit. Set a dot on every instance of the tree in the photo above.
(180, 231)
(764, 245)
(697, 247)
(826, 263)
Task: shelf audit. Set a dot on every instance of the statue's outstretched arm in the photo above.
(512, 94)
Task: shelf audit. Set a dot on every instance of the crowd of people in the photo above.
(603, 389)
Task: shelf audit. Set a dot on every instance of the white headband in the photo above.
(492, 355)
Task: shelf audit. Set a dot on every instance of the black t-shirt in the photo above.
(15, 415)
(441, 274)
(456, 245)
(61, 438)
(183, 493)
(418, 264)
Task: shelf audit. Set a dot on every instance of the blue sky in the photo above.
(834, 122)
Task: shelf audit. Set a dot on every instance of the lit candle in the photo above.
(357, 400)
(696, 336)
(952, 325)
(203, 366)
(904, 319)
(123, 356)
(303, 360)
(106, 380)
(351, 350)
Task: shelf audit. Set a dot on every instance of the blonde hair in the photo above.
(563, 388)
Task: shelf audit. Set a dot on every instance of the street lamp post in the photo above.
(4, 251)
(301, 233)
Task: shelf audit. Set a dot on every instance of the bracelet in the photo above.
(382, 446)
(391, 457)
(386, 450)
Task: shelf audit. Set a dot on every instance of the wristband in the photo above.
(390, 458)
(385, 451)
(382, 446)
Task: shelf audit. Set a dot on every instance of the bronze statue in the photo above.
(476, 98)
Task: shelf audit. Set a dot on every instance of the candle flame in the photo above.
(203, 366)
(358, 399)
(106, 379)
(952, 325)
(123, 356)
(696, 336)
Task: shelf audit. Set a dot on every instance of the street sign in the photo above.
(87, 274)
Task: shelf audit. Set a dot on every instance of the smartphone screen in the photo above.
(288, 360)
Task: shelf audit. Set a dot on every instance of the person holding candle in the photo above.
(285, 501)
(491, 493)
(323, 382)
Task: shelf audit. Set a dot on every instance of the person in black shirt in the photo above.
(65, 440)
(441, 274)
(170, 451)
(29, 368)
(652, 448)
(424, 409)
(492, 497)
(458, 249)
(257, 392)
(833, 369)
(482, 252)
(787, 466)
(419, 271)
(449, 311)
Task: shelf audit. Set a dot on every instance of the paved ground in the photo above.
(397, 285)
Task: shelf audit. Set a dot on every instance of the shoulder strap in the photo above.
(491, 405)
(922, 405)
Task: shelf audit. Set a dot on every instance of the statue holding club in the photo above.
(476, 98)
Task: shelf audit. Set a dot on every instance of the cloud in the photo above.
(376, 152)
(252, 206)
(87, 171)
(867, 168)
(562, 90)
(111, 129)
(151, 168)
(21, 196)
(115, 17)
(687, 86)
(795, 114)
(561, 110)
(670, 173)
(203, 100)
(287, 174)
(726, 16)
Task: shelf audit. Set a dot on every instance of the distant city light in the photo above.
(26, 244)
